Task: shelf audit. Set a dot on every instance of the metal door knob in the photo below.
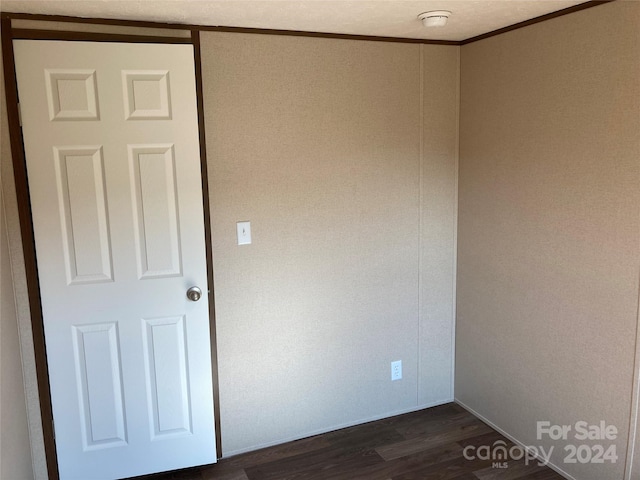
(194, 294)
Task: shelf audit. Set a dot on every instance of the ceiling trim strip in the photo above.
(36, 34)
(299, 33)
(532, 21)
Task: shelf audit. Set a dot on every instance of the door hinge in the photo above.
(53, 424)
(19, 115)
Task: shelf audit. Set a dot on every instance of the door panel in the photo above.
(83, 208)
(166, 362)
(113, 161)
(153, 188)
(97, 357)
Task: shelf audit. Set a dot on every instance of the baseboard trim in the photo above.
(334, 428)
(552, 466)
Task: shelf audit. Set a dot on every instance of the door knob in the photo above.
(194, 294)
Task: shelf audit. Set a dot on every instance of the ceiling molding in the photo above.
(542, 18)
(299, 33)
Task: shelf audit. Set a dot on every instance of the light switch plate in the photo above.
(244, 233)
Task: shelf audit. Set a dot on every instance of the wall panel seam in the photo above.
(634, 419)
(421, 315)
(454, 259)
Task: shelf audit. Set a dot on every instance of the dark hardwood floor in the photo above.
(424, 445)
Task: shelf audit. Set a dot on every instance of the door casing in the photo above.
(25, 215)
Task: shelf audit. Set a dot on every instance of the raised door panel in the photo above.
(83, 212)
(99, 381)
(155, 210)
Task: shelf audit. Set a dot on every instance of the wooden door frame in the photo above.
(25, 213)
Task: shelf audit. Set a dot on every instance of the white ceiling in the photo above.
(388, 18)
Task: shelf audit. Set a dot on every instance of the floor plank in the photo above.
(424, 445)
(417, 444)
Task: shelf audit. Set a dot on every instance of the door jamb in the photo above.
(195, 37)
(28, 246)
(8, 34)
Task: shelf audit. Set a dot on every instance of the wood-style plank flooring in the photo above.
(424, 445)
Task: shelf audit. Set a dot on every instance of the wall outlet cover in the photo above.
(396, 370)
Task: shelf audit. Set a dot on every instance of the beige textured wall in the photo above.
(318, 143)
(549, 230)
(15, 452)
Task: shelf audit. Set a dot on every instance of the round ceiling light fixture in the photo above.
(436, 18)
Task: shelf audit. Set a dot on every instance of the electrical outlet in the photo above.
(396, 370)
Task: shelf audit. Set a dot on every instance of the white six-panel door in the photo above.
(113, 160)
